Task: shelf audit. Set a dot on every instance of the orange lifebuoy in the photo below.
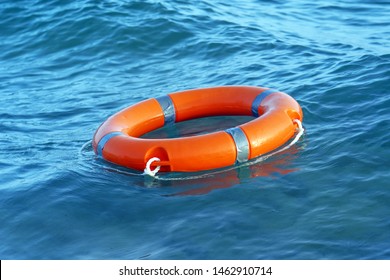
(118, 140)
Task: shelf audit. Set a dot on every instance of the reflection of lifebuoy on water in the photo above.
(277, 117)
(229, 178)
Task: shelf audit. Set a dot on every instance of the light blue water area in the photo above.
(65, 66)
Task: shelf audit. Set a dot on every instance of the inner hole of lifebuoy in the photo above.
(197, 126)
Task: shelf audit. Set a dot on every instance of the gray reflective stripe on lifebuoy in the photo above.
(168, 109)
(104, 140)
(257, 102)
(241, 142)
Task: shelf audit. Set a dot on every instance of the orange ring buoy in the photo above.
(118, 140)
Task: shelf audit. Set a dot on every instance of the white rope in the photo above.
(301, 130)
(148, 170)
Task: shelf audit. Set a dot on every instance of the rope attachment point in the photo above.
(148, 170)
(301, 130)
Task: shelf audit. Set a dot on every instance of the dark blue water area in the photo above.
(66, 66)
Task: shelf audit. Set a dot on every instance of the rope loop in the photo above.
(299, 123)
(148, 170)
(301, 130)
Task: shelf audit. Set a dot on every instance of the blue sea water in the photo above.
(65, 66)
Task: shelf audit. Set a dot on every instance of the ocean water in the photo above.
(65, 66)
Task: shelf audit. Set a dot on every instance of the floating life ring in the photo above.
(276, 114)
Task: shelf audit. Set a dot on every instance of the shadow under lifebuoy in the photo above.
(201, 183)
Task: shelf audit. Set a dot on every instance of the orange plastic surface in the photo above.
(271, 129)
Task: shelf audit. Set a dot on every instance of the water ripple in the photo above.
(66, 66)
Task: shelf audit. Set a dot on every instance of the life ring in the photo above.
(118, 140)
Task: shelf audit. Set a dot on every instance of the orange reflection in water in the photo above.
(274, 166)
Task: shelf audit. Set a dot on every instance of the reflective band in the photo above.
(242, 144)
(168, 109)
(257, 102)
(104, 140)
